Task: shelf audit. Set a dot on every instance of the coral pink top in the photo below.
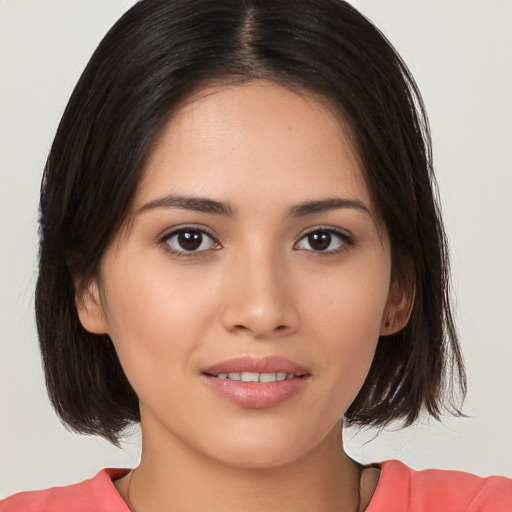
(400, 489)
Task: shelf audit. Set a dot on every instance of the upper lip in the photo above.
(269, 364)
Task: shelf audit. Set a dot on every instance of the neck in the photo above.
(172, 476)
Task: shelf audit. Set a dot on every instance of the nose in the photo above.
(259, 298)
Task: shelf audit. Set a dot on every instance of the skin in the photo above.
(260, 288)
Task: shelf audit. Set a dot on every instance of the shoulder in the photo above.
(403, 489)
(98, 494)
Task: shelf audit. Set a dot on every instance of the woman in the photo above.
(240, 246)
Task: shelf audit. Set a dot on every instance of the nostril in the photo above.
(240, 328)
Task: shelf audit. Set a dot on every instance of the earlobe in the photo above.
(398, 308)
(89, 307)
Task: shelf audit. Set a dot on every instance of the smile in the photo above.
(255, 382)
(255, 376)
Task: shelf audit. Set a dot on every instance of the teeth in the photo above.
(250, 377)
(256, 377)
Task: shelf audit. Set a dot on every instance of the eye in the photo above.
(189, 241)
(324, 240)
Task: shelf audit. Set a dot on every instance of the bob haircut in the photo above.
(154, 58)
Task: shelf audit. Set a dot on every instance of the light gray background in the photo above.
(461, 54)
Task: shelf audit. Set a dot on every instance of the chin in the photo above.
(264, 450)
(259, 459)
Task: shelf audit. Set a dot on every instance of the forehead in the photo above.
(258, 139)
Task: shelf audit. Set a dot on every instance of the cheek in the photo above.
(345, 316)
(351, 330)
(156, 318)
(351, 302)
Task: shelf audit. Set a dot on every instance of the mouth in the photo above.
(257, 383)
(256, 369)
(257, 377)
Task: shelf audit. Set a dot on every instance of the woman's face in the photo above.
(252, 255)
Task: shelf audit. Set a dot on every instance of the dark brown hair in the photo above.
(150, 61)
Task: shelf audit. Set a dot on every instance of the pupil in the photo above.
(319, 240)
(190, 240)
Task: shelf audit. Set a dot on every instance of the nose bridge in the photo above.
(260, 300)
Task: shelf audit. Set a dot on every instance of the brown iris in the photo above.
(190, 240)
(319, 240)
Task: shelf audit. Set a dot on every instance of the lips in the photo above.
(256, 383)
(256, 377)
(273, 364)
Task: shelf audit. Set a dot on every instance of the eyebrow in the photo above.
(325, 205)
(198, 204)
(205, 205)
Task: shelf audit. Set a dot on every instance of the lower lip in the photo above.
(257, 395)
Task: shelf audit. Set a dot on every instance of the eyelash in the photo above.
(189, 229)
(345, 241)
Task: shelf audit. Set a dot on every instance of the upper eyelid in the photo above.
(331, 229)
(346, 238)
(169, 232)
(172, 232)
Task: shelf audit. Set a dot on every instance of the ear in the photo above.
(399, 305)
(89, 307)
